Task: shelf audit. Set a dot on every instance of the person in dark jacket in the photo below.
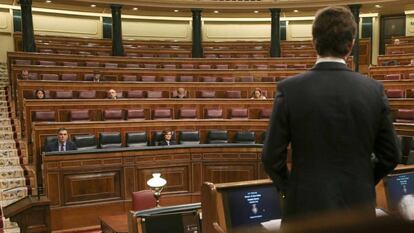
(167, 138)
(62, 143)
(333, 119)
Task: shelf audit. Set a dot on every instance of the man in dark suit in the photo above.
(334, 120)
(62, 143)
(167, 139)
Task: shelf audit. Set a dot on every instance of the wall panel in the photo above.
(299, 30)
(152, 29)
(222, 30)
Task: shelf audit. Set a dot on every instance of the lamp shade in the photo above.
(156, 181)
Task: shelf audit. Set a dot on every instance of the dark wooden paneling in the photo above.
(222, 173)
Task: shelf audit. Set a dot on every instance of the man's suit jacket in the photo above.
(54, 146)
(164, 143)
(334, 119)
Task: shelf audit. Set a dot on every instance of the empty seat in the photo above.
(228, 79)
(132, 65)
(136, 139)
(393, 77)
(246, 137)
(405, 116)
(154, 94)
(394, 93)
(49, 77)
(136, 114)
(265, 113)
(208, 79)
(148, 55)
(165, 55)
(150, 66)
(111, 65)
(246, 79)
(102, 53)
(268, 79)
(217, 136)
(44, 116)
(213, 114)
(410, 93)
(207, 94)
(64, 94)
(63, 51)
(189, 137)
(187, 113)
(222, 66)
(110, 140)
(279, 66)
(79, 115)
(148, 78)
(186, 78)
(239, 113)
(23, 62)
(161, 114)
(47, 63)
(168, 78)
(187, 66)
(112, 114)
(226, 55)
(210, 55)
(170, 66)
(88, 77)
(299, 66)
(129, 78)
(69, 77)
(411, 76)
(242, 66)
(258, 55)
(87, 95)
(233, 94)
(70, 63)
(204, 67)
(135, 94)
(85, 142)
(92, 64)
(261, 66)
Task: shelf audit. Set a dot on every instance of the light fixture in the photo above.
(93, 5)
(48, 1)
(216, 12)
(176, 11)
(156, 183)
(255, 12)
(378, 6)
(296, 11)
(135, 8)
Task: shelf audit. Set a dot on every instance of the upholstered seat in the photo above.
(150, 66)
(246, 137)
(189, 137)
(135, 94)
(246, 79)
(47, 63)
(222, 66)
(299, 66)
(88, 77)
(69, 77)
(170, 66)
(239, 113)
(143, 200)
(242, 66)
(265, 113)
(148, 78)
(112, 114)
(70, 63)
(92, 64)
(44, 116)
(207, 94)
(136, 114)
(79, 115)
(85, 142)
(213, 114)
(204, 67)
(393, 77)
(261, 66)
(394, 93)
(50, 77)
(217, 137)
(405, 116)
(110, 140)
(233, 94)
(154, 94)
(129, 78)
(279, 66)
(162, 114)
(187, 113)
(187, 66)
(228, 79)
(209, 79)
(168, 78)
(87, 94)
(186, 78)
(111, 65)
(136, 139)
(64, 94)
(132, 66)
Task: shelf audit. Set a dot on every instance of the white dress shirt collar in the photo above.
(330, 59)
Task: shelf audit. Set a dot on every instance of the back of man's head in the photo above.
(333, 31)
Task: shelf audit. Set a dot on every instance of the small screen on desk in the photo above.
(399, 189)
(251, 208)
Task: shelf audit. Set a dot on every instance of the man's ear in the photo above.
(350, 49)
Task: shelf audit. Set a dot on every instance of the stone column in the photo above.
(117, 45)
(28, 39)
(197, 34)
(355, 51)
(275, 33)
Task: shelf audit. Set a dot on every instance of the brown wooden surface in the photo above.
(403, 48)
(402, 59)
(379, 72)
(75, 181)
(114, 223)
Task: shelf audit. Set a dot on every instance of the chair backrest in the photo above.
(47, 63)
(246, 79)
(111, 65)
(242, 66)
(69, 77)
(136, 139)
(85, 142)
(64, 94)
(246, 137)
(135, 94)
(207, 94)
(299, 66)
(222, 66)
(148, 78)
(79, 115)
(162, 114)
(187, 66)
(411, 76)
(213, 114)
(154, 94)
(110, 140)
(265, 113)
(87, 95)
(217, 136)
(209, 79)
(92, 64)
(168, 78)
(393, 76)
(405, 115)
(50, 77)
(129, 78)
(113, 114)
(279, 66)
(187, 113)
(239, 113)
(261, 66)
(233, 94)
(170, 66)
(394, 93)
(228, 79)
(204, 67)
(44, 116)
(132, 65)
(186, 78)
(88, 77)
(143, 200)
(134, 114)
(150, 66)
(189, 137)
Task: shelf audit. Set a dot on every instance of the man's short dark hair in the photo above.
(61, 129)
(333, 31)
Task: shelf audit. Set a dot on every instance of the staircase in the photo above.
(13, 182)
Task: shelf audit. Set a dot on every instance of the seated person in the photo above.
(396, 41)
(62, 143)
(181, 93)
(40, 94)
(411, 62)
(167, 138)
(97, 77)
(24, 75)
(112, 94)
(258, 95)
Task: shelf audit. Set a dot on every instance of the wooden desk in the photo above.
(114, 224)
